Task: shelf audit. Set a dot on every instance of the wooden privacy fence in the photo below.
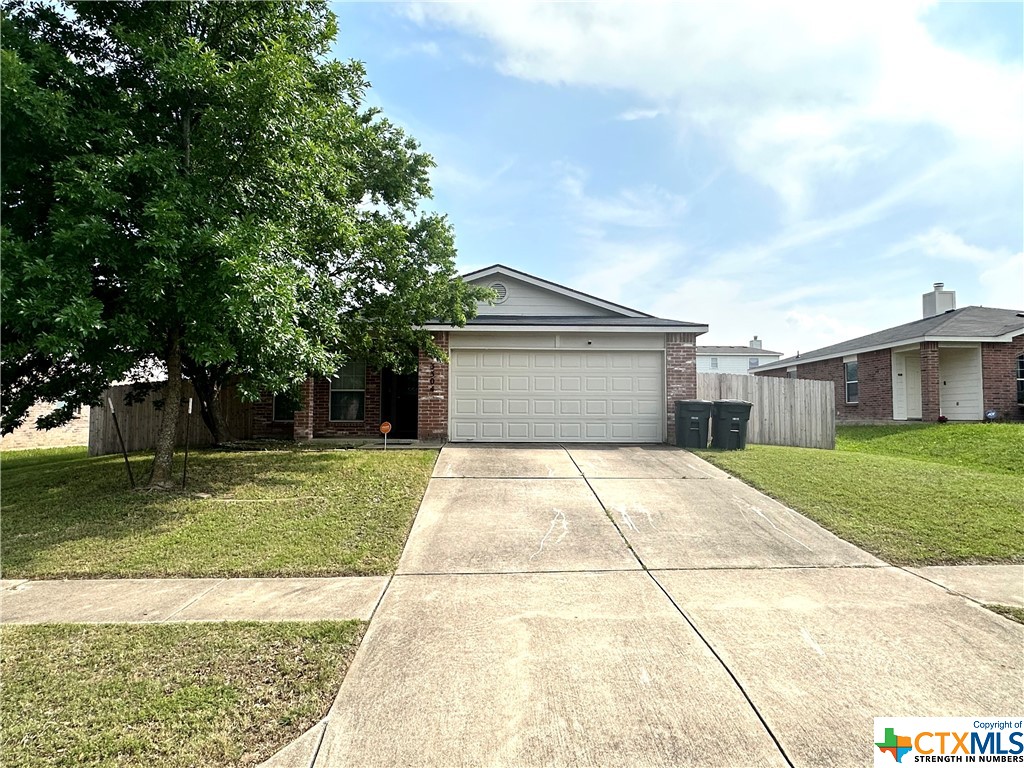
(140, 422)
(797, 412)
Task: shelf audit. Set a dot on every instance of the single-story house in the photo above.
(734, 359)
(956, 363)
(543, 363)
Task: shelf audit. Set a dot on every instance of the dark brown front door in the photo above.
(399, 395)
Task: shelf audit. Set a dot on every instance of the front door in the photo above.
(399, 395)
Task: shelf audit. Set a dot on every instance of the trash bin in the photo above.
(729, 424)
(692, 423)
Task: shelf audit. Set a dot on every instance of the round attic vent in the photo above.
(500, 292)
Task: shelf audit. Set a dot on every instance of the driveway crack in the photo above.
(686, 618)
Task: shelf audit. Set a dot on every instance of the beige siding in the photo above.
(570, 340)
(525, 299)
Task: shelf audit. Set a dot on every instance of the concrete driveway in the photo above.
(595, 606)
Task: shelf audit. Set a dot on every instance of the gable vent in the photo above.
(500, 291)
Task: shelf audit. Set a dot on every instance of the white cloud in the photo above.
(640, 114)
(644, 207)
(797, 92)
(1003, 283)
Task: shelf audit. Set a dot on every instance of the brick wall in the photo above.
(680, 376)
(433, 393)
(316, 421)
(368, 427)
(999, 377)
(263, 424)
(874, 384)
(75, 432)
(930, 409)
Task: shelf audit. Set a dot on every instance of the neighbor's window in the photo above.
(1020, 379)
(348, 393)
(851, 382)
(753, 362)
(285, 406)
(714, 363)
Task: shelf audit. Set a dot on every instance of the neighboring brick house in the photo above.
(956, 363)
(75, 432)
(543, 363)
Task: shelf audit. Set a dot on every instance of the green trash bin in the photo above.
(692, 423)
(729, 424)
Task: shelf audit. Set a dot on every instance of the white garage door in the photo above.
(613, 396)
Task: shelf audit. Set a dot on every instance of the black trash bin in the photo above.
(692, 423)
(729, 424)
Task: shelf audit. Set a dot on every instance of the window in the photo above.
(851, 382)
(348, 393)
(1020, 379)
(714, 363)
(753, 362)
(285, 406)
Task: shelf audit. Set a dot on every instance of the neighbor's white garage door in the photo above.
(606, 396)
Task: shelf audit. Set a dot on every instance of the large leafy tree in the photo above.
(200, 185)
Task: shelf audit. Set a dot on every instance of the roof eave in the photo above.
(493, 328)
(803, 360)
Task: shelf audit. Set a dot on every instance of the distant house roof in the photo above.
(744, 351)
(966, 324)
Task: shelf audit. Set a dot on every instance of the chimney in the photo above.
(756, 343)
(938, 301)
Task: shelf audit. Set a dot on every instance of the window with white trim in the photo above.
(348, 392)
(753, 362)
(851, 382)
(714, 363)
(1020, 379)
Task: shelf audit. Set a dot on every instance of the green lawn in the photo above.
(165, 695)
(913, 495)
(256, 513)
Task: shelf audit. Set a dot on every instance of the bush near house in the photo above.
(922, 494)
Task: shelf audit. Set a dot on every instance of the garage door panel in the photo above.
(570, 407)
(544, 384)
(550, 396)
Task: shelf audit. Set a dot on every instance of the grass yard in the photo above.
(925, 494)
(255, 513)
(165, 695)
(1011, 612)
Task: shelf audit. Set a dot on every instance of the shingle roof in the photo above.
(968, 323)
(747, 351)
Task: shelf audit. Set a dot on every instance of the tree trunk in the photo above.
(160, 476)
(213, 417)
(208, 384)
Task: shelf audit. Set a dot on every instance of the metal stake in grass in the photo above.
(124, 451)
(188, 428)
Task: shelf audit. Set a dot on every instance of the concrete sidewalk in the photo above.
(162, 600)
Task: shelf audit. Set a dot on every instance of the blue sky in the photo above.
(793, 170)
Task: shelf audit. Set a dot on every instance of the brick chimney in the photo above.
(938, 301)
